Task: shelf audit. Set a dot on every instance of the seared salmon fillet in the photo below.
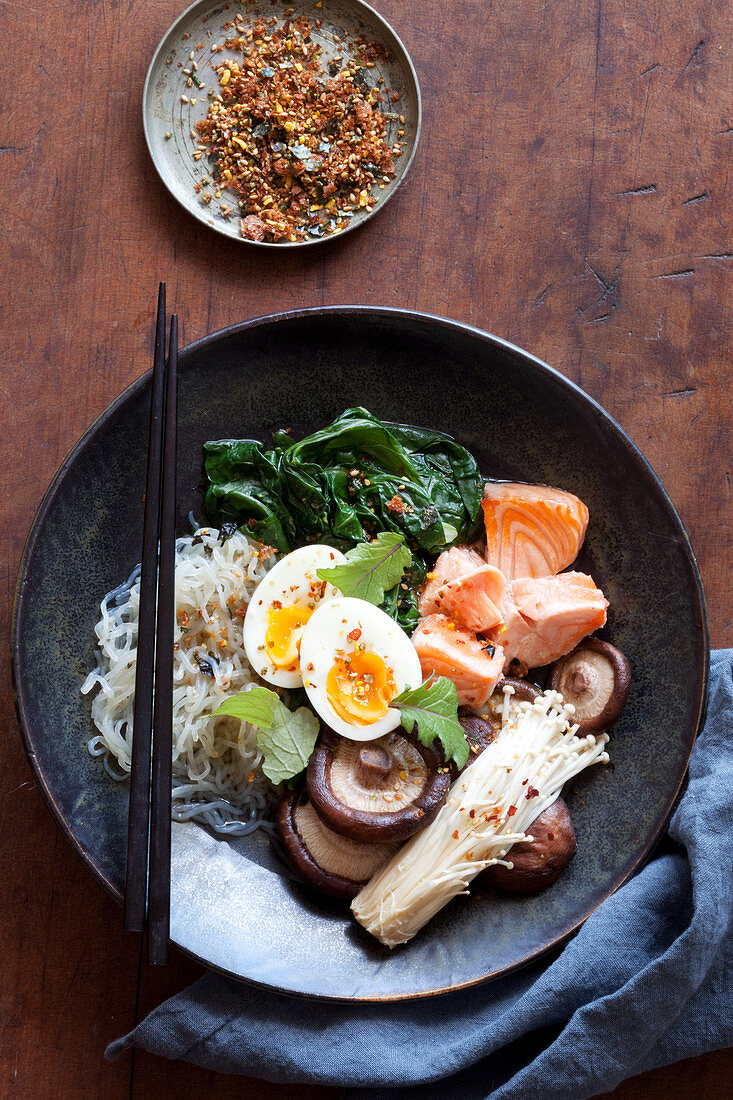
(474, 600)
(445, 649)
(546, 617)
(532, 530)
(449, 565)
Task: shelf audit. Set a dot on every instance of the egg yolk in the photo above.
(282, 637)
(360, 688)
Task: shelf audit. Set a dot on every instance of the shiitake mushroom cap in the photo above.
(524, 690)
(595, 678)
(345, 777)
(479, 730)
(331, 863)
(539, 862)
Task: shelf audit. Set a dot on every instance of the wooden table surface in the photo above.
(571, 193)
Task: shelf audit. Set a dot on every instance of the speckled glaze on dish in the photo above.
(233, 904)
(168, 120)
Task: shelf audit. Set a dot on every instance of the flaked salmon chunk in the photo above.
(449, 565)
(546, 617)
(445, 649)
(474, 600)
(532, 530)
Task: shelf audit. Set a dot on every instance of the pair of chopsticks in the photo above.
(147, 883)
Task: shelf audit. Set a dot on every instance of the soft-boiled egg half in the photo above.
(355, 660)
(282, 604)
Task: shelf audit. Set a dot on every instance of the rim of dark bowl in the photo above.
(493, 341)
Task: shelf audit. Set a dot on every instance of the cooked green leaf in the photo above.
(285, 737)
(371, 568)
(434, 707)
(344, 485)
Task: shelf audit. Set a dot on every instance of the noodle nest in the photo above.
(217, 775)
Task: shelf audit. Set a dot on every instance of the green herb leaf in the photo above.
(286, 737)
(288, 745)
(434, 707)
(256, 706)
(371, 568)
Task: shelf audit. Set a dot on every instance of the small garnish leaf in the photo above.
(286, 738)
(371, 568)
(256, 706)
(434, 707)
(288, 745)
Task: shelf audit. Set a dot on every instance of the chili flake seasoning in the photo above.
(304, 148)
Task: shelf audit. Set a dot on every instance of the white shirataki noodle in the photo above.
(537, 748)
(217, 776)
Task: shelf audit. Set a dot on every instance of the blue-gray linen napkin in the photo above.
(646, 981)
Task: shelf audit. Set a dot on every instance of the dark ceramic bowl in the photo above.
(233, 906)
(169, 121)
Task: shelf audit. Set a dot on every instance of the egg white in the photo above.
(325, 638)
(290, 582)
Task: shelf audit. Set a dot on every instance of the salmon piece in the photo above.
(474, 600)
(546, 617)
(449, 565)
(532, 530)
(445, 650)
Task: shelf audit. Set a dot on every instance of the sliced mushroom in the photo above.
(595, 678)
(502, 704)
(334, 864)
(480, 731)
(379, 791)
(539, 862)
(522, 690)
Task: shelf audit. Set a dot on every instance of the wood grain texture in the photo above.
(571, 193)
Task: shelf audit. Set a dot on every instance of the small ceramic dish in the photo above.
(176, 97)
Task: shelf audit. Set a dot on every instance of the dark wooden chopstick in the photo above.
(138, 823)
(147, 885)
(160, 826)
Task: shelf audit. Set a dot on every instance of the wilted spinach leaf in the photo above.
(346, 483)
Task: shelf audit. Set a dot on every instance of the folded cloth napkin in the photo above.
(645, 982)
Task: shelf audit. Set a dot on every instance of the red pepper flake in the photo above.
(253, 228)
(354, 634)
(241, 611)
(532, 792)
(455, 834)
(396, 504)
(511, 811)
(471, 813)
